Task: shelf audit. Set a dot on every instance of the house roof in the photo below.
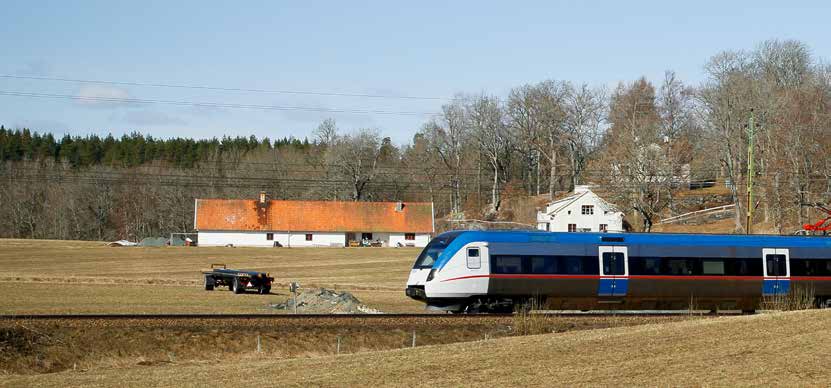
(313, 216)
(562, 203)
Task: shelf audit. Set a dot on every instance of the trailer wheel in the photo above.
(237, 287)
(209, 283)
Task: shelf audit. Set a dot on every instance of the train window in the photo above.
(776, 265)
(676, 266)
(507, 264)
(810, 267)
(746, 267)
(581, 265)
(681, 266)
(473, 259)
(543, 264)
(712, 267)
(613, 263)
(644, 266)
(565, 265)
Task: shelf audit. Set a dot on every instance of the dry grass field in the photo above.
(789, 349)
(83, 277)
(38, 276)
(53, 345)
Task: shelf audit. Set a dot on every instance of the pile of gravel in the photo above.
(325, 301)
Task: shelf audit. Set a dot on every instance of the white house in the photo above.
(271, 223)
(582, 211)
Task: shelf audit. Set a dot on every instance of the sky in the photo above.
(353, 61)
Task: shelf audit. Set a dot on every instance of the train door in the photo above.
(614, 271)
(776, 266)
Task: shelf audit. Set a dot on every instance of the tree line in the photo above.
(640, 143)
(130, 150)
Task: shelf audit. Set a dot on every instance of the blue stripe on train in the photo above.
(813, 246)
(776, 286)
(613, 287)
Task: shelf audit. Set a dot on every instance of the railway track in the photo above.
(290, 317)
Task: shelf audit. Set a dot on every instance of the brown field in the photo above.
(40, 277)
(770, 349)
(54, 345)
(84, 277)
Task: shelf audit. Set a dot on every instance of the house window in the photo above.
(572, 227)
(269, 236)
(366, 236)
(409, 236)
(604, 227)
(587, 210)
(308, 237)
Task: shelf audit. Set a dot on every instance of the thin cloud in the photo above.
(102, 96)
(149, 118)
(37, 68)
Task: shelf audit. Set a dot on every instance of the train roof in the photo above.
(462, 238)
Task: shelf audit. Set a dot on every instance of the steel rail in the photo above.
(595, 314)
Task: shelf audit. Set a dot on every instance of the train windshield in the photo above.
(432, 251)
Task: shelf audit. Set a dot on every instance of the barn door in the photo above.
(776, 264)
(614, 271)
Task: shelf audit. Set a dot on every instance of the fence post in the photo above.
(414, 338)
(259, 344)
(338, 350)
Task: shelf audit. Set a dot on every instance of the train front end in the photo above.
(423, 267)
(451, 274)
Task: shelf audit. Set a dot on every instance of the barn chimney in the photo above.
(262, 211)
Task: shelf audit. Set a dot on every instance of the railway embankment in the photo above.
(36, 345)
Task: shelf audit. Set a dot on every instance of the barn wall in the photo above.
(421, 240)
(239, 239)
(298, 239)
(319, 239)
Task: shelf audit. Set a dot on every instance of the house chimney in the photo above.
(262, 197)
(581, 189)
(399, 206)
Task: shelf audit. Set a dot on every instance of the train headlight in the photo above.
(431, 274)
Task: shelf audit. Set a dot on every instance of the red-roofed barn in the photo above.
(267, 223)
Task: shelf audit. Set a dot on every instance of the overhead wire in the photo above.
(124, 100)
(226, 89)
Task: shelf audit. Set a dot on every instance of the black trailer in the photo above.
(237, 280)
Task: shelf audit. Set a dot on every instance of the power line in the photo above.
(208, 104)
(226, 89)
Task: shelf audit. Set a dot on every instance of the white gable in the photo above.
(583, 211)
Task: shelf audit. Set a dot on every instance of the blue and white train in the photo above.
(494, 271)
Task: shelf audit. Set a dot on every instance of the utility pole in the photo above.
(751, 134)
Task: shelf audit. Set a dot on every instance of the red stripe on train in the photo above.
(648, 277)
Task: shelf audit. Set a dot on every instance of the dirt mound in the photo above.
(325, 301)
